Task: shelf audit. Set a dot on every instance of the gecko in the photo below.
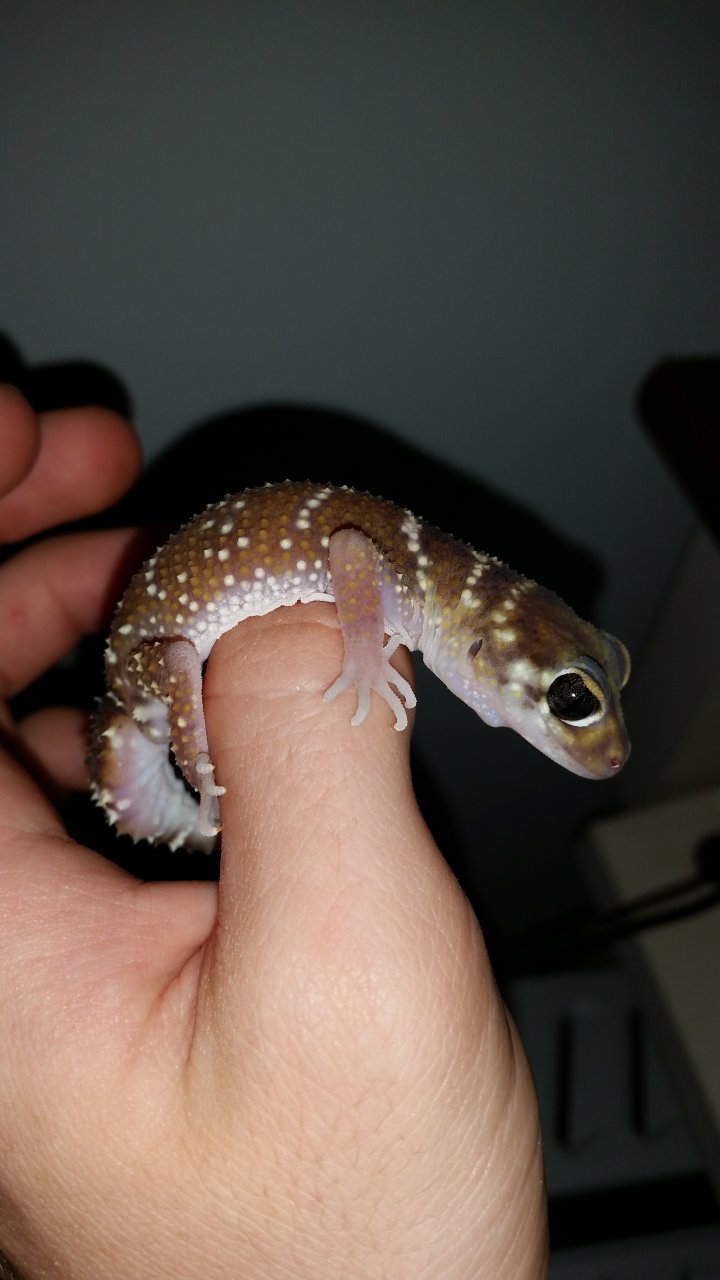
(510, 649)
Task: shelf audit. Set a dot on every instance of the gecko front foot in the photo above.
(380, 681)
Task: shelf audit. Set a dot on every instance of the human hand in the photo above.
(305, 1071)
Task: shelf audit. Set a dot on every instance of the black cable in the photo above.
(629, 918)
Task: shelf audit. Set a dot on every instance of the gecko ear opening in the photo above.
(627, 663)
(623, 663)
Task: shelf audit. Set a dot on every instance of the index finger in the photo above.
(19, 439)
(54, 593)
(61, 465)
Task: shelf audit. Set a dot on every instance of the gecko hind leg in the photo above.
(172, 670)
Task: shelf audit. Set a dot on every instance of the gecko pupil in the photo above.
(570, 699)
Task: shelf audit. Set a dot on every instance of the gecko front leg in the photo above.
(356, 574)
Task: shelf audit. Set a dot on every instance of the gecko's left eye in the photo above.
(575, 698)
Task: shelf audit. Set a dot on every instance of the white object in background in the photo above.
(676, 967)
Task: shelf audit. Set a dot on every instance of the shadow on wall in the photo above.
(270, 442)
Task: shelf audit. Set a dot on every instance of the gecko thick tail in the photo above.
(134, 782)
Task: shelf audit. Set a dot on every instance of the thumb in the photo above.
(348, 1031)
(324, 850)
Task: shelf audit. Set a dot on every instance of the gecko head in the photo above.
(556, 680)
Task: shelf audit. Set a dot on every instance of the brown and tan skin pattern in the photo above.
(513, 651)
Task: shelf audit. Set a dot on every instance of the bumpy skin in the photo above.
(507, 647)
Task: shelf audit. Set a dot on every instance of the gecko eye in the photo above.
(575, 698)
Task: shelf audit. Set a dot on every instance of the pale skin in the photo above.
(305, 1071)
